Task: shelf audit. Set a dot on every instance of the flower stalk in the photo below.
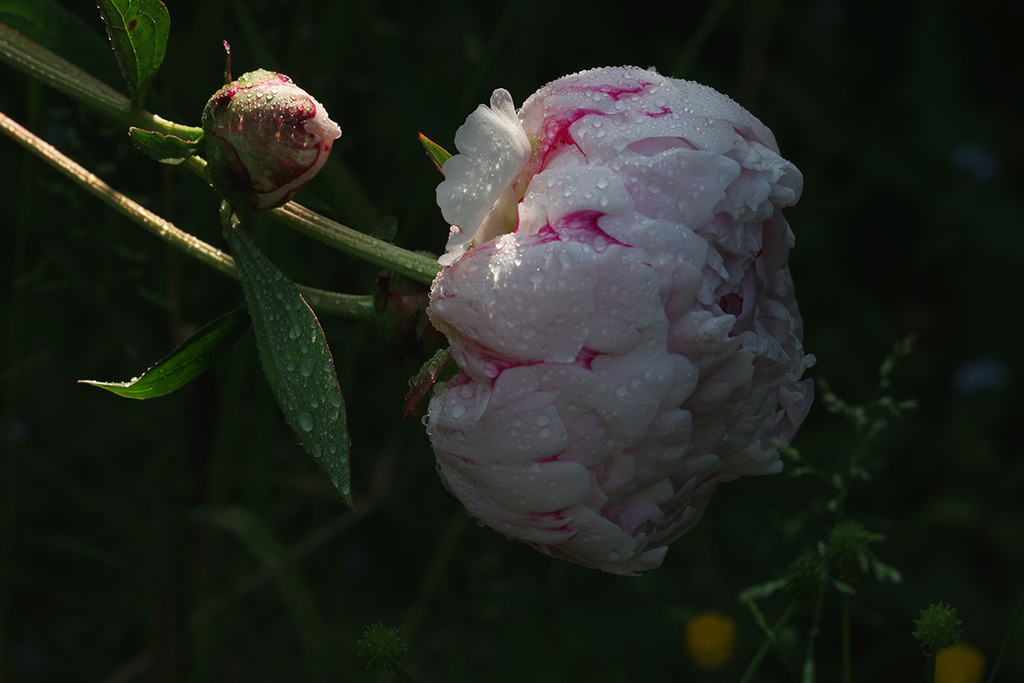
(347, 305)
(36, 61)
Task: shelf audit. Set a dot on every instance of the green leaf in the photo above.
(296, 360)
(436, 152)
(167, 149)
(138, 31)
(184, 363)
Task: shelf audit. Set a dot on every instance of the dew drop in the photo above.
(306, 421)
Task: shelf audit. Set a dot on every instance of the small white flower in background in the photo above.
(618, 300)
(265, 138)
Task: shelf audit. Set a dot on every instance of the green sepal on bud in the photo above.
(264, 139)
(167, 149)
(938, 628)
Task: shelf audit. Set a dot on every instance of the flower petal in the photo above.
(493, 149)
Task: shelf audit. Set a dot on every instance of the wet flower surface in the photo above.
(265, 139)
(618, 300)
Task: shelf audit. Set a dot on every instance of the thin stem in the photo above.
(812, 634)
(358, 307)
(445, 550)
(415, 266)
(34, 60)
(847, 666)
(929, 668)
(755, 663)
(1006, 641)
(51, 69)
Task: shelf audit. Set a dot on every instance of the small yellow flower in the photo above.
(710, 640)
(961, 663)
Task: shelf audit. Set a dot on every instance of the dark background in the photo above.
(188, 537)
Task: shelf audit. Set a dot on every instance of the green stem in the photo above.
(769, 640)
(847, 666)
(36, 61)
(56, 72)
(1006, 641)
(415, 266)
(435, 573)
(358, 307)
(929, 668)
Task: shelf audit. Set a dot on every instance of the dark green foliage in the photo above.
(906, 127)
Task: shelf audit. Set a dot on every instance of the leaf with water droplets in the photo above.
(296, 361)
(184, 363)
(138, 31)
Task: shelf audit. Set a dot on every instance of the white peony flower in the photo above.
(618, 300)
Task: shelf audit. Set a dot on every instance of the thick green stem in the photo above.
(32, 59)
(56, 72)
(359, 307)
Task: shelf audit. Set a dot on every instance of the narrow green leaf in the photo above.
(167, 149)
(138, 31)
(184, 363)
(436, 152)
(296, 360)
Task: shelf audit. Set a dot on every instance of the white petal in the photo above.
(493, 148)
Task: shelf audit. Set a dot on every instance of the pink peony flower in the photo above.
(265, 138)
(618, 300)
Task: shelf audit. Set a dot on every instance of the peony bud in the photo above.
(265, 139)
(618, 299)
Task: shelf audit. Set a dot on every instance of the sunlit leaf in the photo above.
(184, 363)
(436, 152)
(167, 149)
(296, 361)
(138, 31)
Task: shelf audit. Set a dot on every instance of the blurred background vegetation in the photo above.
(189, 539)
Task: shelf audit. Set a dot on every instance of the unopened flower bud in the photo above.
(265, 139)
